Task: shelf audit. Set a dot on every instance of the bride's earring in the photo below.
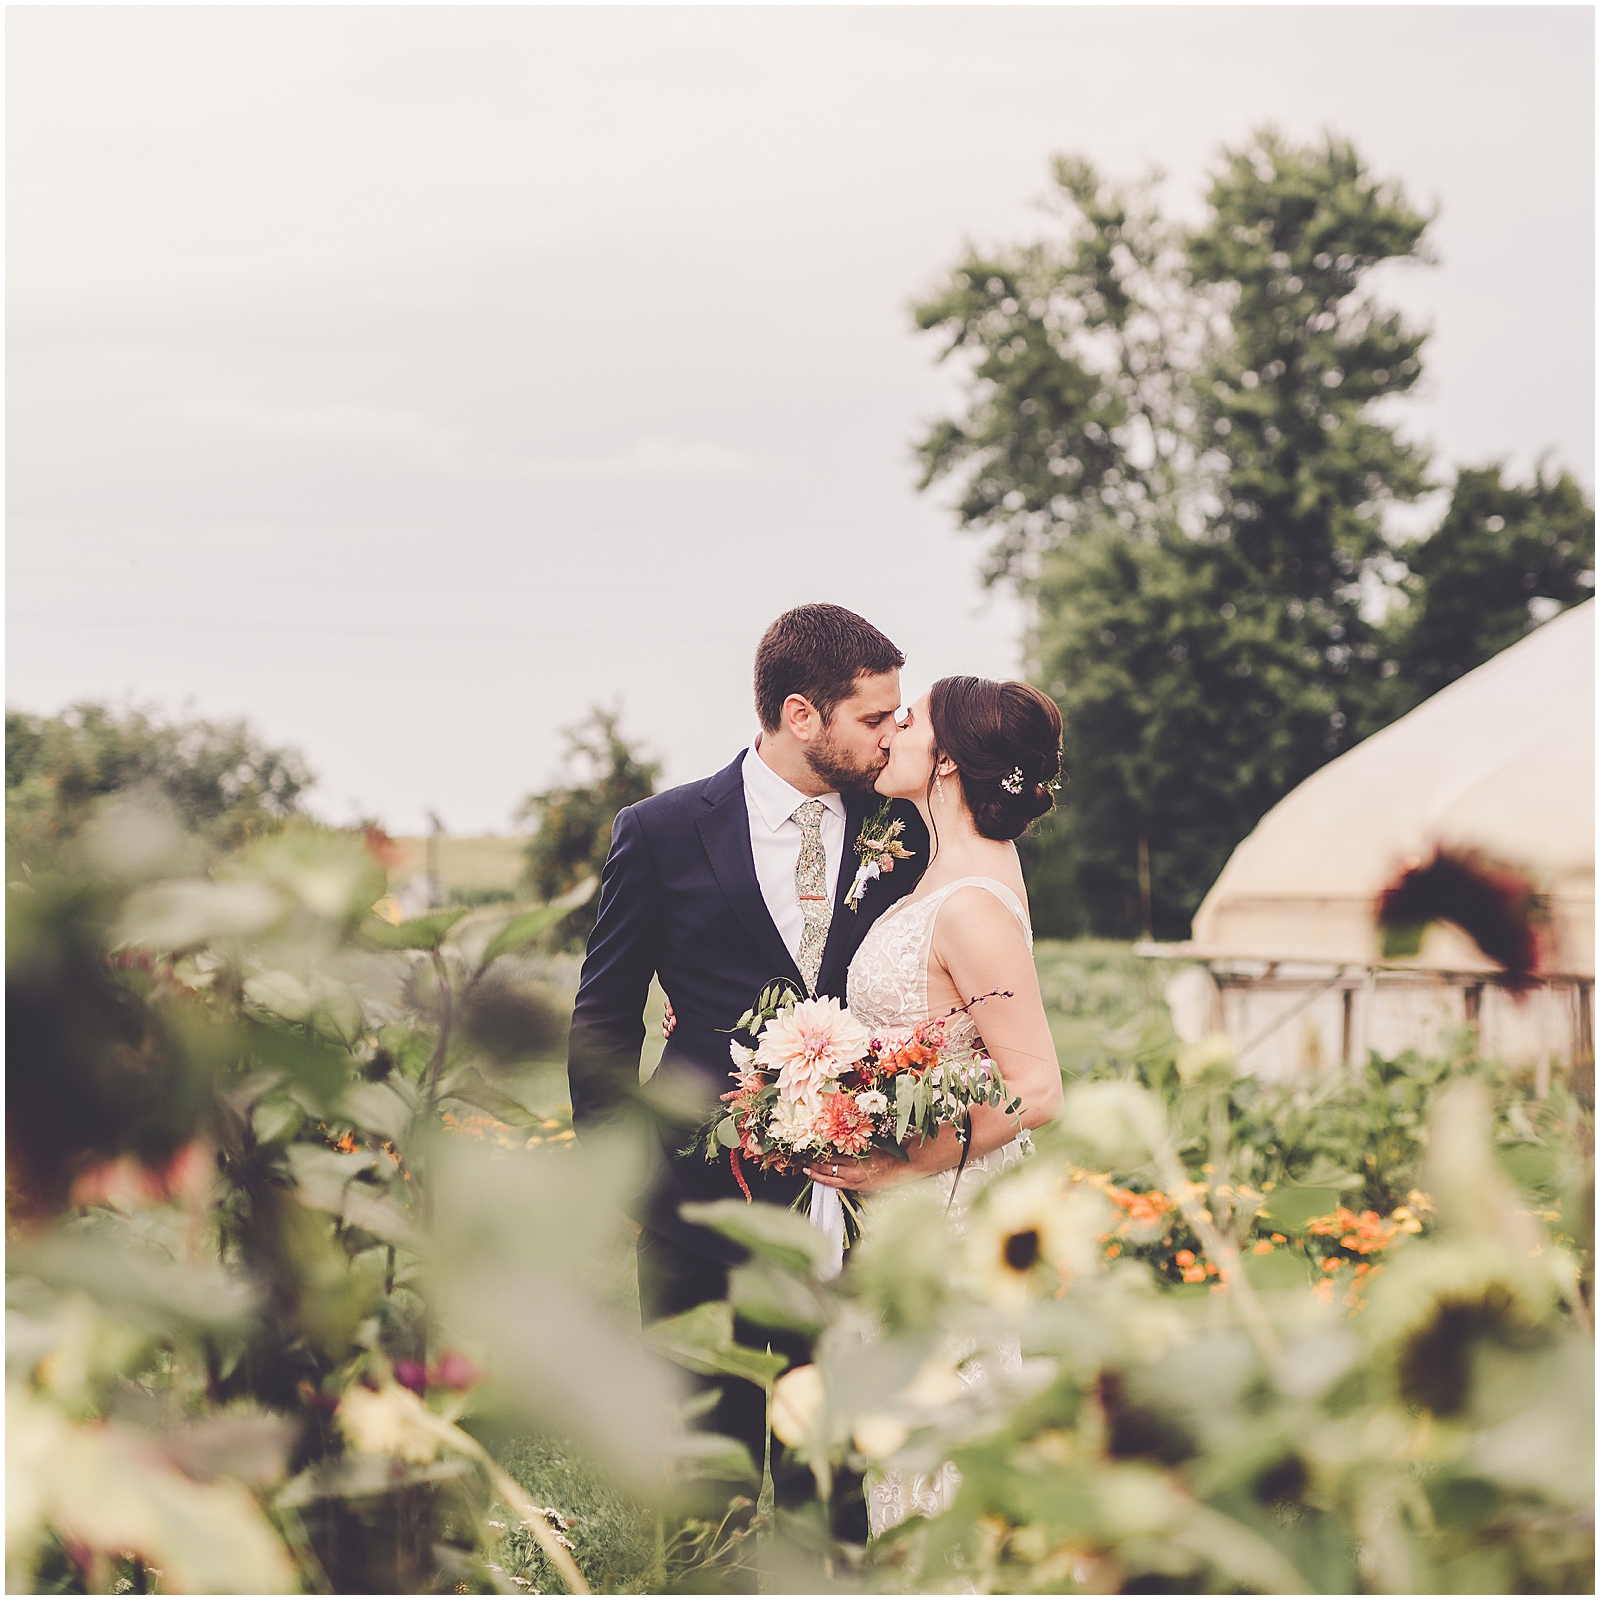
(938, 783)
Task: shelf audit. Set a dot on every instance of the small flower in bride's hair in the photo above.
(1012, 782)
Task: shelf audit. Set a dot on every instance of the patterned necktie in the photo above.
(811, 884)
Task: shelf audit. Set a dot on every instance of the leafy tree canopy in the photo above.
(573, 819)
(1173, 442)
(221, 777)
(1505, 558)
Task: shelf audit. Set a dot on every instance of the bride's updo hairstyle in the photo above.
(1005, 739)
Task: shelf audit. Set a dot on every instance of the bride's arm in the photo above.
(981, 948)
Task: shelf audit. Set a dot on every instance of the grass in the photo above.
(613, 1537)
(1097, 994)
(489, 861)
(1099, 997)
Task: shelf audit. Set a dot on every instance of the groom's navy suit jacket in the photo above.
(679, 899)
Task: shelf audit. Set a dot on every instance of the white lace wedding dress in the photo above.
(888, 989)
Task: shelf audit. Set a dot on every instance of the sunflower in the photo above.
(1028, 1222)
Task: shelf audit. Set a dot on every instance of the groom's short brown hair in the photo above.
(817, 651)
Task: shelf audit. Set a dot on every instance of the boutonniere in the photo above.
(879, 847)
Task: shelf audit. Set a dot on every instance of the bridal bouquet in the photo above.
(818, 1087)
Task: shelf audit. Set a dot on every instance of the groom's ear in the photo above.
(800, 719)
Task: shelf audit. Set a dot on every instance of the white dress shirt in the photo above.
(775, 843)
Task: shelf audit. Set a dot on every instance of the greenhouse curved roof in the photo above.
(1502, 761)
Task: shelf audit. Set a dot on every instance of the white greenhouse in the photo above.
(1501, 761)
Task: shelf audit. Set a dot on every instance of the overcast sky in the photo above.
(409, 379)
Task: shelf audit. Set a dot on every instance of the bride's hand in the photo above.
(878, 1171)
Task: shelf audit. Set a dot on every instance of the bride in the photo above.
(978, 759)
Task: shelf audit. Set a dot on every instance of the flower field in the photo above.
(311, 1288)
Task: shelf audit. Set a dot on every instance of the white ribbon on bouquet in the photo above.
(827, 1216)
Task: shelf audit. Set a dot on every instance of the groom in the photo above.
(717, 888)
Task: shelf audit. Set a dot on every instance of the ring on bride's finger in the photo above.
(836, 1169)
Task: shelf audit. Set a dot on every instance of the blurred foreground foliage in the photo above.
(1218, 1338)
(278, 1321)
(254, 1279)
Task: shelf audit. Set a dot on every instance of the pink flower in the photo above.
(810, 1045)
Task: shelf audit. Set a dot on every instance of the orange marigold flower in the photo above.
(1184, 1258)
(1194, 1274)
(1263, 1247)
(1330, 1263)
(1279, 1238)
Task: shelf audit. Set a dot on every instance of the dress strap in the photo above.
(1002, 892)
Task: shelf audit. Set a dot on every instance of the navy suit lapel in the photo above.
(725, 833)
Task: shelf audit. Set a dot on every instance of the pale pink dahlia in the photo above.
(810, 1045)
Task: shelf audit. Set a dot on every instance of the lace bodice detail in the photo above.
(888, 990)
(888, 983)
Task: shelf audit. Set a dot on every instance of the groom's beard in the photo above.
(834, 768)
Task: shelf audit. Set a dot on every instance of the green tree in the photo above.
(1172, 440)
(573, 819)
(1505, 558)
(222, 778)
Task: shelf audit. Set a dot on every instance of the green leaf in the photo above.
(904, 1093)
(702, 1341)
(765, 1293)
(276, 1121)
(379, 1109)
(521, 931)
(1283, 1269)
(316, 1066)
(1293, 1208)
(728, 1134)
(470, 1085)
(421, 933)
(773, 1232)
(713, 1456)
(281, 993)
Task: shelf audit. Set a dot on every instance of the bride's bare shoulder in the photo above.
(974, 913)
